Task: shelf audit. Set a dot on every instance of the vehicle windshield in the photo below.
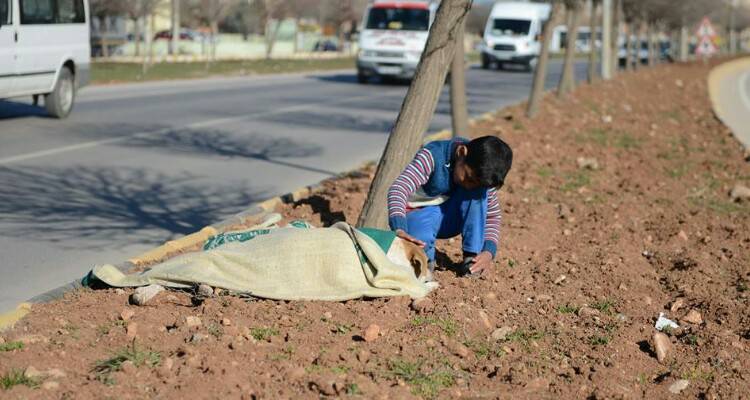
(399, 19)
(4, 14)
(510, 27)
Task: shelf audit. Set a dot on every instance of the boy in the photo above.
(450, 188)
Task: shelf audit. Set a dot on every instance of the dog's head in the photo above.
(406, 253)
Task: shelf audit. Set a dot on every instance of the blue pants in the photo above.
(464, 213)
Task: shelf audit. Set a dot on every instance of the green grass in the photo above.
(567, 309)
(575, 181)
(605, 306)
(215, 330)
(425, 384)
(524, 337)
(449, 326)
(10, 346)
(352, 389)
(343, 329)
(16, 377)
(599, 340)
(131, 353)
(108, 72)
(545, 172)
(263, 333)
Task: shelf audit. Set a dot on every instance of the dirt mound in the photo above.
(617, 209)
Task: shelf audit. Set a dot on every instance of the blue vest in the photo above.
(441, 180)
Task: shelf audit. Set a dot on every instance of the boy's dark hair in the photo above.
(490, 158)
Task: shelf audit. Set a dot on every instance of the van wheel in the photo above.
(531, 64)
(361, 78)
(60, 101)
(485, 61)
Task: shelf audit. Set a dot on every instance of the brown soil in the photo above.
(588, 259)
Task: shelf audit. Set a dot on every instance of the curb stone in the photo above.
(8, 319)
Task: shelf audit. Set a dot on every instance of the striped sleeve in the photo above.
(416, 174)
(492, 224)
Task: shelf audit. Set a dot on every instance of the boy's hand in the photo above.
(403, 235)
(481, 262)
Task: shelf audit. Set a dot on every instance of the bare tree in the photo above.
(417, 108)
(459, 113)
(540, 73)
(592, 40)
(103, 10)
(567, 78)
(616, 29)
(273, 10)
(176, 22)
(138, 11)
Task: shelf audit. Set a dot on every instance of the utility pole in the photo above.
(174, 42)
(606, 39)
(732, 31)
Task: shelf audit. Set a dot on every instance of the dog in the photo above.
(403, 252)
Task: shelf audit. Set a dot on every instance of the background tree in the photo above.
(593, 23)
(459, 112)
(540, 73)
(567, 78)
(103, 10)
(138, 11)
(416, 110)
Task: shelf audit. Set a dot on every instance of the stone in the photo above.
(192, 321)
(32, 373)
(485, 319)
(587, 163)
(560, 279)
(119, 291)
(55, 373)
(740, 193)
(677, 304)
(128, 367)
(501, 333)
(457, 348)
(682, 235)
(363, 356)
(132, 330)
(50, 385)
(679, 386)
(371, 333)
(126, 314)
(544, 297)
(2, 340)
(693, 317)
(679, 83)
(586, 311)
(197, 338)
(226, 322)
(327, 315)
(662, 346)
(143, 295)
(422, 305)
(607, 119)
(167, 364)
(205, 290)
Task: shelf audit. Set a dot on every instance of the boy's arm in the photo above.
(492, 223)
(416, 174)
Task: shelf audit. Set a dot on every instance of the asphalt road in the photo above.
(138, 164)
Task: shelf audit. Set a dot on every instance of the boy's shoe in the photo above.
(465, 268)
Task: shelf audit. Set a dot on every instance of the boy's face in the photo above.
(463, 175)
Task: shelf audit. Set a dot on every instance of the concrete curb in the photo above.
(172, 247)
(729, 101)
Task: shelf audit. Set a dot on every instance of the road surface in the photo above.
(138, 164)
(729, 87)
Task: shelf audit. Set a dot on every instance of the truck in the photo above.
(512, 35)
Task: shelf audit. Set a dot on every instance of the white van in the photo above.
(513, 33)
(44, 50)
(392, 38)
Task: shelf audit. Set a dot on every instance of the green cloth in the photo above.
(384, 239)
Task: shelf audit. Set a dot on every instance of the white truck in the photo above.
(513, 34)
(44, 50)
(392, 38)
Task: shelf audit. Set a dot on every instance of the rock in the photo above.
(167, 364)
(128, 367)
(740, 193)
(143, 295)
(205, 290)
(50, 385)
(586, 311)
(587, 163)
(226, 322)
(607, 119)
(2, 340)
(679, 83)
(560, 279)
(677, 304)
(132, 330)
(363, 356)
(422, 305)
(32, 373)
(326, 385)
(693, 317)
(55, 373)
(126, 314)
(197, 338)
(119, 291)
(679, 386)
(193, 321)
(457, 348)
(544, 297)
(485, 319)
(327, 315)
(662, 346)
(682, 235)
(501, 333)
(371, 333)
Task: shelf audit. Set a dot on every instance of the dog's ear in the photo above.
(417, 258)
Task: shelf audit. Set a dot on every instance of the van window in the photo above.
(510, 27)
(37, 12)
(5, 12)
(399, 19)
(70, 12)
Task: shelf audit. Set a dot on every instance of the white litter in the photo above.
(663, 322)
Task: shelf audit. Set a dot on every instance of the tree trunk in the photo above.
(540, 74)
(417, 109)
(146, 43)
(137, 35)
(459, 113)
(567, 78)
(175, 41)
(214, 37)
(651, 50)
(616, 17)
(684, 46)
(104, 39)
(629, 48)
(296, 36)
(592, 43)
(271, 39)
(606, 39)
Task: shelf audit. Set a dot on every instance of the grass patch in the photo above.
(425, 384)
(215, 330)
(16, 377)
(131, 353)
(626, 141)
(10, 346)
(448, 326)
(575, 181)
(568, 309)
(545, 172)
(352, 389)
(108, 72)
(518, 126)
(263, 333)
(343, 329)
(524, 337)
(511, 263)
(605, 306)
(597, 340)
(697, 374)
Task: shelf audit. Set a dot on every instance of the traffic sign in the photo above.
(706, 29)
(706, 47)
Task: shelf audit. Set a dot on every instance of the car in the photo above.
(512, 34)
(184, 35)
